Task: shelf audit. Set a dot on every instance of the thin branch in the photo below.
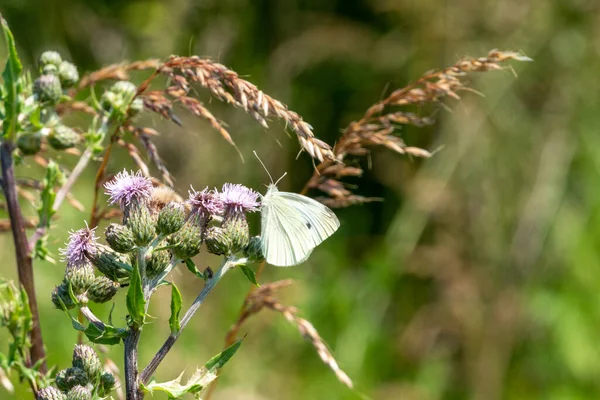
(22, 252)
(166, 347)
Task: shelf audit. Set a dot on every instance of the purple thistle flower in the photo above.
(127, 187)
(80, 242)
(206, 202)
(239, 199)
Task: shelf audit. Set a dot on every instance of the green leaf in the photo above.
(220, 359)
(136, 304)
(108, 335)
(192, 268)
(52, 178)
(12, 85)
(174, 322)
(250, 274)
(198, 381)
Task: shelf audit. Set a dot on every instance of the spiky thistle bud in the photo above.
(79, 393)
(80, 278)
(47, 88)
(141, 224)
(254, 250)
(68, 75)
(102, 290)
(50, 57)
(50, 69)
(50, 393)
(61, 293)
(217, 242)
(29, 142)
(236, 228)
(187, 241)
(85, 357)
(62, 137)
(120, 238)
(171, 218)
(136, 107)
(66, 379)
(157, 262)
(110, 263)
(107, 384)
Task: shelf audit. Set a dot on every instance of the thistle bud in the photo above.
(217, 242)
(47, 88)
(50, 69)
(102, 290)
(62, 137)
(85, 357)
(61, 293)
(109, 262)
(50, 57)
(67, 72)
(187, 241)
(141, 224)
(80, 278)
(157, 262)
(120, 238)
(254, 250)
(238, 232)
(79, 393)
(66, 379)
(107, 384)
(136, 107)
(50, 393)
(30, 142)
(171, 218)
(124, 88)
(109, 100)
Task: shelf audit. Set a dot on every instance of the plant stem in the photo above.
(132, 384)
(166, 347)
(22, 251)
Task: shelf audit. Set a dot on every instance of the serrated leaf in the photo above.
(12, 85)
(198, 381)
(136, 304)
(221, 359)
(174, 322)
(250, 274)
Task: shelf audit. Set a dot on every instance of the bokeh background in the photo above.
(477, 277)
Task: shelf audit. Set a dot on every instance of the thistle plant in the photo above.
(152, 231)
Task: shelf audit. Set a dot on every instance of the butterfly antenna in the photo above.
(261, 163)
(280, 178)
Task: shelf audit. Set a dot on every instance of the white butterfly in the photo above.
(292, 225)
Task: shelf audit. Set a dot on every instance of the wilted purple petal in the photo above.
(80, 242)
(127, 187)
(239, 199)
(207, 202)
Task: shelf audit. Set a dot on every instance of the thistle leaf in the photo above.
(12, 85)
(174, 322)
(136, 304)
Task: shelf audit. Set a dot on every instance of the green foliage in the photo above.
(198, 381)
(176, 301)
(12, 85)
(136, 304)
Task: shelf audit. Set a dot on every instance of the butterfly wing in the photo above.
(292, 226)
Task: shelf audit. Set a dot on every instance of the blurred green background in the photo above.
(477, 277)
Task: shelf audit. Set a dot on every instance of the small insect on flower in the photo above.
(292, 225)
(128, 187)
